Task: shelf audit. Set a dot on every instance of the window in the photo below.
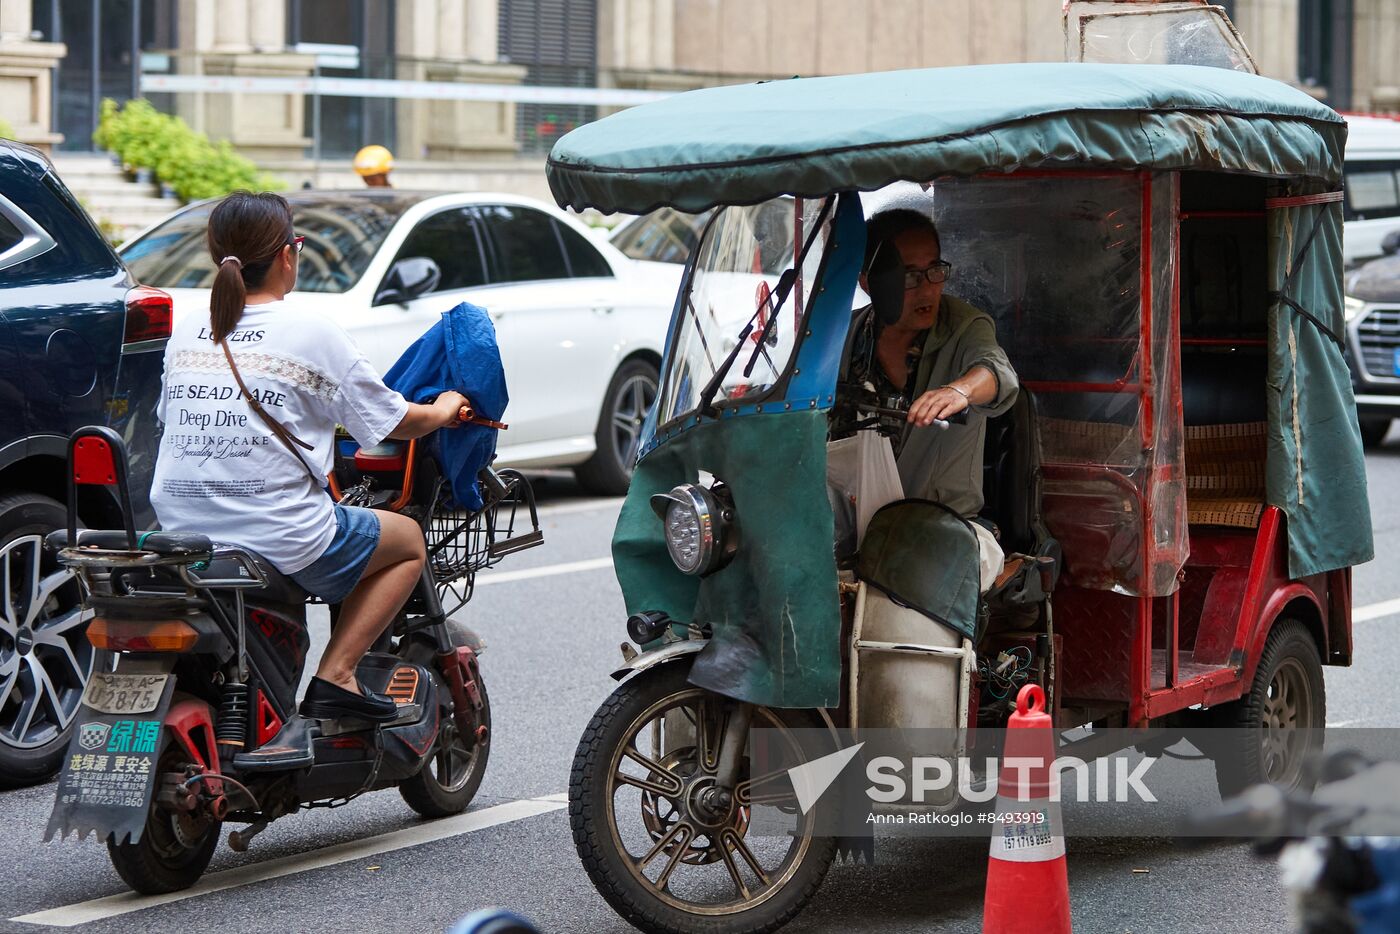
(524, 244)
(584, 260)
(10, 235)
(557, 42)
(342, 236)
(449, 239)
(664, 236)
(1372, 190)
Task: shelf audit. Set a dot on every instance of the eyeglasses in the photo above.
(936, 273)
(299, 243)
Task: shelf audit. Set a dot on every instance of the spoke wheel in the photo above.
(668, 847)
(1275, 728)
(45, 658)
(450, 778)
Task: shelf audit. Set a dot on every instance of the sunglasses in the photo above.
(298, 242)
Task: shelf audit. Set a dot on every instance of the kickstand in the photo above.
(238, 840)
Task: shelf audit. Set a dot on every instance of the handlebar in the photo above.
(467, 416)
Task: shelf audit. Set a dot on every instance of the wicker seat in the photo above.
(1225, 479)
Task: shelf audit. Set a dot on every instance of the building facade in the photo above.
(60, 58)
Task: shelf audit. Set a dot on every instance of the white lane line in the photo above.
(126, 902)
(1371, 611)
(549, 570)
(590, 505)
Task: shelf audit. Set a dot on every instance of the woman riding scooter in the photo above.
(252, 395)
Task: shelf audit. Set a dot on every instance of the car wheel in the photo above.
(1373, 430)
(45, 658)
(619, 434)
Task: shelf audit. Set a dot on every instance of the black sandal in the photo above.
(327, 701)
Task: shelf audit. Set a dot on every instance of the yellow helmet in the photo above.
(373, 160)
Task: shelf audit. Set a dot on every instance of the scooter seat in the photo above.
(162, 543)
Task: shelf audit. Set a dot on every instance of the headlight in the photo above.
(698, 524)
(1351, 307)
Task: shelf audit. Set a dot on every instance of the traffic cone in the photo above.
(1027, 880)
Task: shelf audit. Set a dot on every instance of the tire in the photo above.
(1373, 430)
(427, 792)
(37, 710)
(174, 850)
(629, 397)
(615, 872)
(1288, 690)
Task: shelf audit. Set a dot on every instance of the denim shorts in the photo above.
(333, 575)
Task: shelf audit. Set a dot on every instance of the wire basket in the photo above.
(462, 542)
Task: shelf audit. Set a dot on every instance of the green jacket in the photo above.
(946, 464)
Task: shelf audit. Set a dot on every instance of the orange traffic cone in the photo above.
(1027, 881)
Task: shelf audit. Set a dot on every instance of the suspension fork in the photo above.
(731, 745)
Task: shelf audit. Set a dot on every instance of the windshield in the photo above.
(1157, 32)
(744, 251)
(342, 236)
(663, 236)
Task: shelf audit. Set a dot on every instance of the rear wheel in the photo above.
(449, 780)
(1276, 727)
(175, 849)
(45, 658)
(619, 433)
(1373, 430)
(671, 851)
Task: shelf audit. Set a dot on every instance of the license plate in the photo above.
(124, 694)
(1395, 362)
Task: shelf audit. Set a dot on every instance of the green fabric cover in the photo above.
(812, 136)
(924, 556)
(774, 609)
(1316, 467)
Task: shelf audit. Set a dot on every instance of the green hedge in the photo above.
(6, 131)
(144, 138)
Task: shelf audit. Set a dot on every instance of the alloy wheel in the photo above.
(45, 658)
(634, 400)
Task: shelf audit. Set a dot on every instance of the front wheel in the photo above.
(449, 780)
(175, 848)
(647, 828)
(619, 432)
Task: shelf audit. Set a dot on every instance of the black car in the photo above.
(1373, 340)
(80, 344)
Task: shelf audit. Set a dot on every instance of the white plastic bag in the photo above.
(861, 476)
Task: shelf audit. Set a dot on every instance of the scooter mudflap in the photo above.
(112, 765)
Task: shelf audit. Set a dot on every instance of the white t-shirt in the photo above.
(221, 471)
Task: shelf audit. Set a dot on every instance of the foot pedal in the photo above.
(290, 749)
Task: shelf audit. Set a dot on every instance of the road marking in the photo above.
(549, 570)
(1371, 611)
(127, 902)
(588, 505)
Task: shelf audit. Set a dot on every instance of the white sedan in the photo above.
(580, 326)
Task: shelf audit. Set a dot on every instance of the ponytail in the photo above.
(226, 302)
(246, 233)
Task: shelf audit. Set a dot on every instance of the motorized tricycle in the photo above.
(1179, 487)
(210, 643)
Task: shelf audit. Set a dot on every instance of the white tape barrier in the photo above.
(395, 88)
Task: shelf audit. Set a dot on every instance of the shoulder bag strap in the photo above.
(290, 441)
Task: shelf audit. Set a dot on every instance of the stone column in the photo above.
(453, 41)
(245, 38)
(26, 77)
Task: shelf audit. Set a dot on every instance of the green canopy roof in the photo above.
(811, 136)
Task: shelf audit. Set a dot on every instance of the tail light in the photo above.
(132, 635)
(148, 316)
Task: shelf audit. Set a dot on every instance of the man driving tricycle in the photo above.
(1180, 474)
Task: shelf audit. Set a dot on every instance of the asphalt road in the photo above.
(374, 866)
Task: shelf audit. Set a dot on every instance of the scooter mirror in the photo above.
(885, 283)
